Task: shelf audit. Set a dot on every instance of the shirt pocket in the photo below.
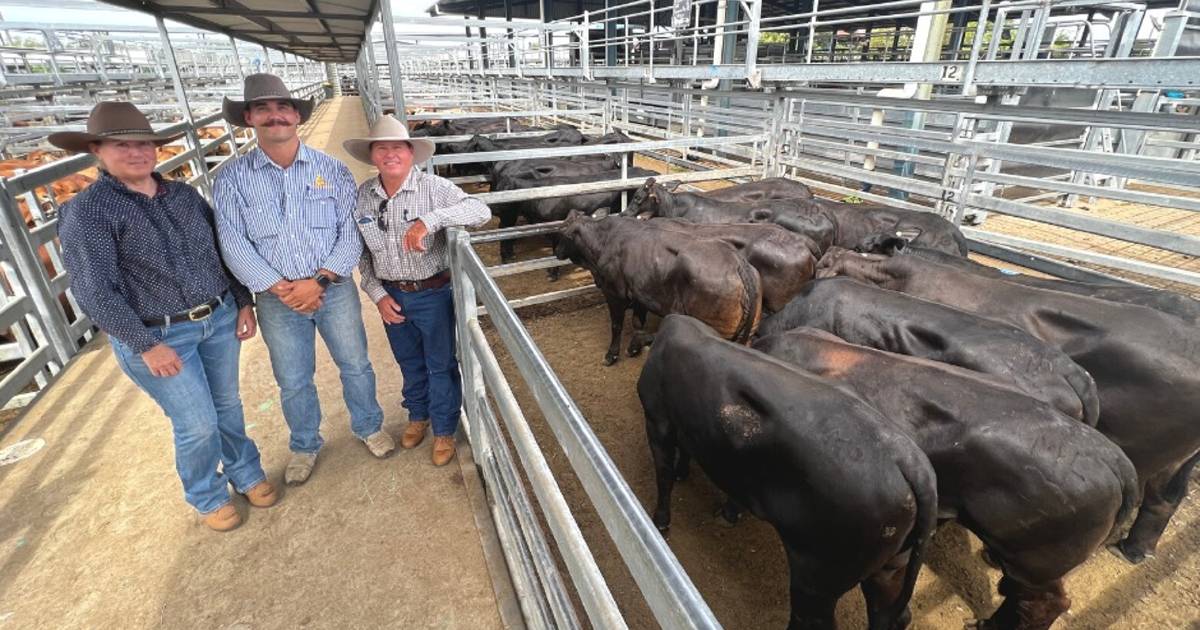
(374, 238)
(262, 222)
(320, 206)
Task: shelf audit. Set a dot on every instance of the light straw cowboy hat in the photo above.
(388, 129)
(110, 120)
(263, 87)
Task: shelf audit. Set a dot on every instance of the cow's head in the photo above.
(569, 236)
(889, 243)
(640, 200)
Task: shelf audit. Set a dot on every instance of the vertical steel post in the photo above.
(393, 59)
(237, 58)
(181, 97)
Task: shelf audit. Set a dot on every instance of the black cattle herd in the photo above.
(845, 373)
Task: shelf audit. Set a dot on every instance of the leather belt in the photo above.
(436, 281)
(194, 314)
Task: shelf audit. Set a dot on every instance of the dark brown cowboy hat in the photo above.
(263, 87)
(110, 120)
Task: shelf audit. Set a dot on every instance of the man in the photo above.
(144, 266)
(402, 215)
(284, 217)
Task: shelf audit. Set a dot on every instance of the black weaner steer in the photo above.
(853, 499)
(845, 225)
(785, 260)
(1041, 490)
(1146, 365)
(638, 265)
(556, 208)
(758, 190)
(866, 315)
(1169, 302)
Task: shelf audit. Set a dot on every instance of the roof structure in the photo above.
(322, 30)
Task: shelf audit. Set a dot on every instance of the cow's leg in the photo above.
(881, 590)
(1161, 497)
(683, 465)
(810, 611)
(640, 339)
(663, 450)
(616, 316)
(508, 218)
(553, 273)
(1027, 608)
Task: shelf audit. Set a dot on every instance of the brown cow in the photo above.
(647, 268)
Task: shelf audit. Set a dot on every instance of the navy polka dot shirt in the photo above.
(134, 258)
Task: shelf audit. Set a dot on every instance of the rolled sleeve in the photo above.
(240, 256)
(454, 208)
(348, 249)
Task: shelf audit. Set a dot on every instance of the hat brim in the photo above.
(234, 112)
(360, 148)
(78, 141)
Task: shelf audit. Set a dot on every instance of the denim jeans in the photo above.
(291, 341)
(424, 347)
(203, 404)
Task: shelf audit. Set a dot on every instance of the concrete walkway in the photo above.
(94, 532)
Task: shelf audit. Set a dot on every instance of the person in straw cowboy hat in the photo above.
(144, 266)
(284, 217)
(402, 214)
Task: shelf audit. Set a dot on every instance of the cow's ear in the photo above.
(573, 214)
(600, 214)
(909, 234)
(671, 186)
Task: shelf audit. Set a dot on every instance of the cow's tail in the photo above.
(751, 301)
(1085, 387)
(919, 474)
(1131, 493)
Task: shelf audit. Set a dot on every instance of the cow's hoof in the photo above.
(633, 351)
(725, 518)
(610, 359)
(1132, 557)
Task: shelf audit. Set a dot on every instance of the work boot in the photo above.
(414, 433)
(223, 518)
(443, 449)
(262, 495)
(380, 444)
(299, 468)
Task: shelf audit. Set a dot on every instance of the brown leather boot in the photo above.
(262, 495)
(414, 433)
(443, 449)
(223, 518)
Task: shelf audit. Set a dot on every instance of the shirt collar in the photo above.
(409, 185)
(120, 186)
(261, 159)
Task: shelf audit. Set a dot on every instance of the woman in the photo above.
(144, 265)
(402, 215)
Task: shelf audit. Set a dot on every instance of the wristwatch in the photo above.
(322, 280)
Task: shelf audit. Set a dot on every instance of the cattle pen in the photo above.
(1062, 136)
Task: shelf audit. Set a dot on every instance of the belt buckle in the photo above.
(193, 315)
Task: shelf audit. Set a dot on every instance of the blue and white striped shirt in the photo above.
(276, 223)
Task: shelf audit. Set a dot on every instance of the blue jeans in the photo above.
(424, 347)
(203, 404)
(291, 341)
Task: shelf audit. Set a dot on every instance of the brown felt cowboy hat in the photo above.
(388, 129)
(110, 120)
(263, 87)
